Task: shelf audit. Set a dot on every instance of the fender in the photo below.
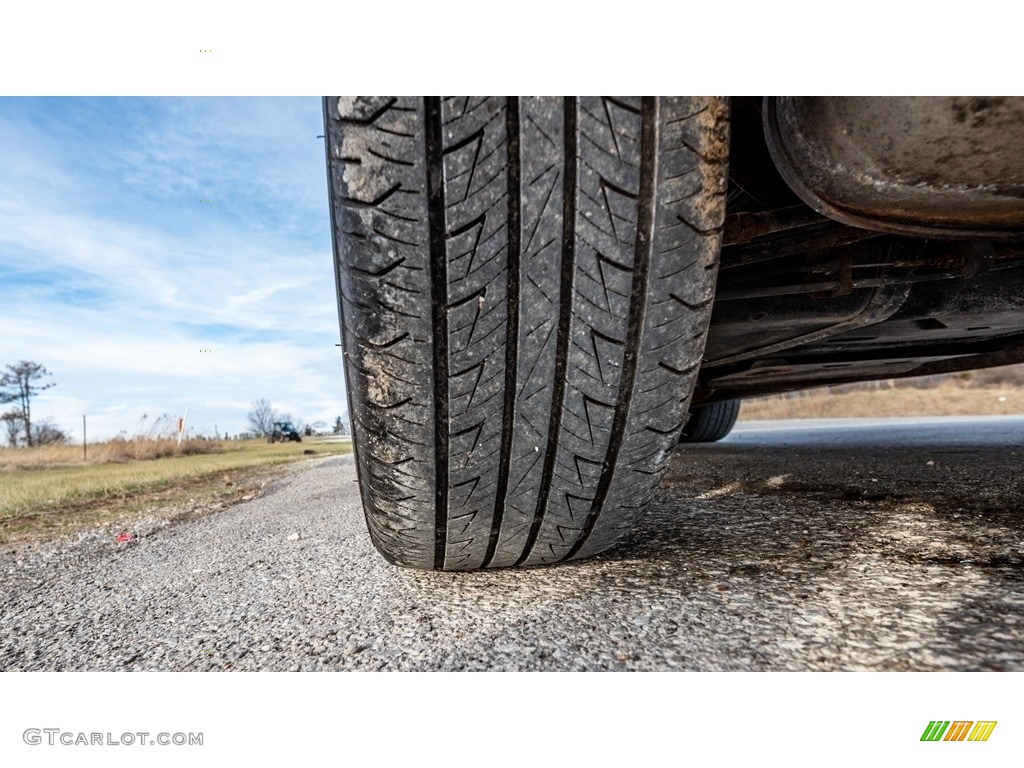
(947, 167)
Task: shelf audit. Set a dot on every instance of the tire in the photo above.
(710, 423)
(524, 290)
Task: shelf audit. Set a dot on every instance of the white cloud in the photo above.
(118, 299)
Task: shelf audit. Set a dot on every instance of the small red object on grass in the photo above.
(121, 538)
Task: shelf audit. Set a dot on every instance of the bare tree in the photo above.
(12, 426)
(261, 418)
(18, 385)
(46, 432)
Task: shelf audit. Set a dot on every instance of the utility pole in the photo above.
(83, 437)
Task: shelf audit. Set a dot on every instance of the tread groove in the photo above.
(512, 131)
(568, 268)
(433, 135)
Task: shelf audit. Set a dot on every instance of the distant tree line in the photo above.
(262, 417)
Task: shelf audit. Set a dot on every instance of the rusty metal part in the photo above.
(919, 263)
(939, 167)
(968, 258)
(743, 227)
(844, 274)
(789, 243)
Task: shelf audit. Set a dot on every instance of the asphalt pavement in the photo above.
(890, 544)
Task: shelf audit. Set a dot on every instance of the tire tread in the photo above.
(524, 290)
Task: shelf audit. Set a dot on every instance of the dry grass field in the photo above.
(947, 399)
(120, 450)
(52, 489)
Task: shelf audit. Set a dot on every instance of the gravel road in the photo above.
(891, 545)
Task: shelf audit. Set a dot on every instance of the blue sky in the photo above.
(115, 274)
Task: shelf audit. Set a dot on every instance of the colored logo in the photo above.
(958, 730)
